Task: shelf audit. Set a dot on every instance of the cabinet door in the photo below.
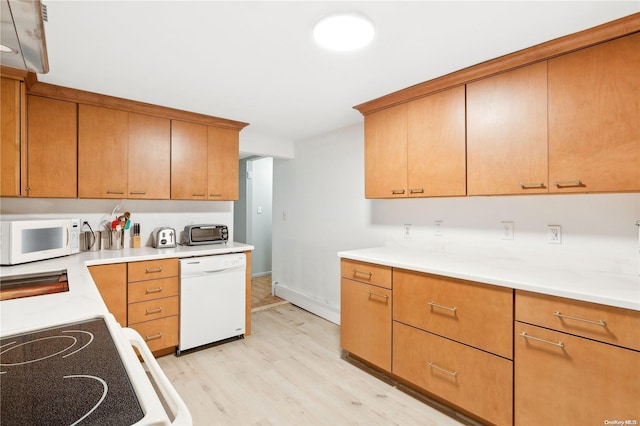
(111, 281)
(436, 145)
(507, 133)
(102, 152)
(365, 322)
(581, 382)
(52, 147)
(594, 118)
(149, 157)
(189, 159)
(223, 164)
(385, 153)
(10, 119)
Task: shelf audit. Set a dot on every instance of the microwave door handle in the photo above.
(68, 237)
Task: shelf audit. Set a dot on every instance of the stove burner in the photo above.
(70, 375)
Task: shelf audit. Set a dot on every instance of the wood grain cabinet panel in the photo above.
(111, 281)
(153, 269)
(11, 106)
(52, 148)
(149, 171)
(102, 152)
(564, 379)
(153, 309)
(507, 133)
(476, 314)
(223, 164)
(365, 272)
(474, 380)
(189, 161)
(594, 118)
(159, 334)
(365, 324)
(152, 289)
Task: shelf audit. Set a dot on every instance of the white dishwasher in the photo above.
(212, 299)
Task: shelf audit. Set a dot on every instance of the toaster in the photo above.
(195, 235)
(163, 237)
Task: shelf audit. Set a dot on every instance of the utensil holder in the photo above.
(115, 240)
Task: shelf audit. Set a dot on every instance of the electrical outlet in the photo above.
(407, 231)
(554, 235)
(439, 228)
(507, 230)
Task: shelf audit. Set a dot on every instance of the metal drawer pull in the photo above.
(356, 272)
(432, 365)
(154, 336)
(111, 191)
(152, 270)
(138, 192)
(215, 195)
(435, 305)
(526, 336)
(599, 322)
(198, 195)
(154, 311)
(568, 183)
(153, 290)
(416, 191)
(371, 293)
(397, 191)
(524, 185)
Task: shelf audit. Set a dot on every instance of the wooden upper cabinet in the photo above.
(52, 148)
(11, 131)
(507, 133)
(436, 145)
(223, 164)
(189, 159)
(102, 152)
(594, 118)
(149, 175)
(385, 153)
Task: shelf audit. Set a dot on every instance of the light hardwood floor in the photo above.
(289, 372)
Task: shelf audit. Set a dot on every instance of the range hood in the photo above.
(22, 35)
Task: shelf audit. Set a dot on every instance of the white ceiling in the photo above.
(256, 61)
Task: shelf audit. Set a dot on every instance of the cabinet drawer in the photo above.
(599, 322)
(474, 380)
(476, 314)
(153, 309)
(152, 289)
(369, 273)
(153, 269)
(159, 334)
(581, 382)
(365, 322)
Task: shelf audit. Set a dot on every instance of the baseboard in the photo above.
(323, 310)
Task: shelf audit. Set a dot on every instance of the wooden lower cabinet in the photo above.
(159, 334)
(473, 380)
(365, 329)
(111, 281)
(565, 379)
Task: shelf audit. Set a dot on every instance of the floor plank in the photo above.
(289, 372)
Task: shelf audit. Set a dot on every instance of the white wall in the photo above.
(320, 209)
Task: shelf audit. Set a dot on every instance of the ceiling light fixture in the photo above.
(344, 31)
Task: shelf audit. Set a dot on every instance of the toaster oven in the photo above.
(195, 235)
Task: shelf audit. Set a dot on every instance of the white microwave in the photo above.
(24, 241)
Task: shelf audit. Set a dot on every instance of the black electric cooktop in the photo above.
(66, 375)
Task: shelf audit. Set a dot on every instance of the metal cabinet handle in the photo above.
(526, 336)
(153, 337)
(153, 270)
(215, 195)
(397, 191)
(111, 191)
(599, 322)
(153, 290)
(154, 311)
(531, 185)
(198, 195)
(137, 192)
(568, 183)
(435, 305)
(356, 272)
(432, 365)
(416, 191)
(384, 296)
